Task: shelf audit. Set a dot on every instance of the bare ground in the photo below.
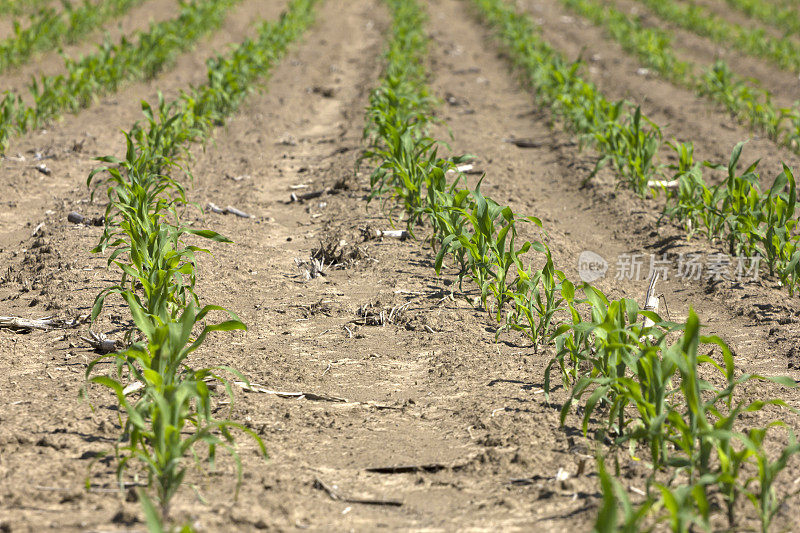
(432, 388)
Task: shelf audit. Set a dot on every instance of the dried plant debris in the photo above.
(321, 307)
(336, 251)
(331, 253)
(374, 314)
(28, 324)
(311, 268)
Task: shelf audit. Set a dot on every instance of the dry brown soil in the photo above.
(429, 389)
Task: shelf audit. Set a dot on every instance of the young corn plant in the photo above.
(488, 236)
(612, 345)
(537, 297)
(737, 212)
(49, 28)
(748, 103)
(168, 416)
(146, 238)
(615, 498)
(173, 413)
(764, 497)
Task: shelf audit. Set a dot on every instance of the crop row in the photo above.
(646, 375)
(653, 47)
(112, 64)
(50, 27)
(20, 7)
(783, 52)
(736, 211)
(166, 403)
(784, 17)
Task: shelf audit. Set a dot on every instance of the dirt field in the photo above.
(432, 389)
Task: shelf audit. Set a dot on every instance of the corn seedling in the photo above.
(174, 401)
(615, 498)
(537, 296)
(171, 415)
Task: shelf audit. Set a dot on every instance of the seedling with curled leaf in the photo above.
(631, 143)
(747, 102)
(405, 165)
(765, 498)
(778, 234)
(615, 497)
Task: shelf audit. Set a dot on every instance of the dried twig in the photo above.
(406, 469)
(336, 496)
(254, 387)
(666, 184)
(309, 195)
(370, 315)
(392, 234)
(313, 268)
(229, 210)
(47, 323)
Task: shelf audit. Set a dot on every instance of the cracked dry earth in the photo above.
(423, 381)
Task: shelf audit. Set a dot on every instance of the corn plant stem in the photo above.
(50, 28)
